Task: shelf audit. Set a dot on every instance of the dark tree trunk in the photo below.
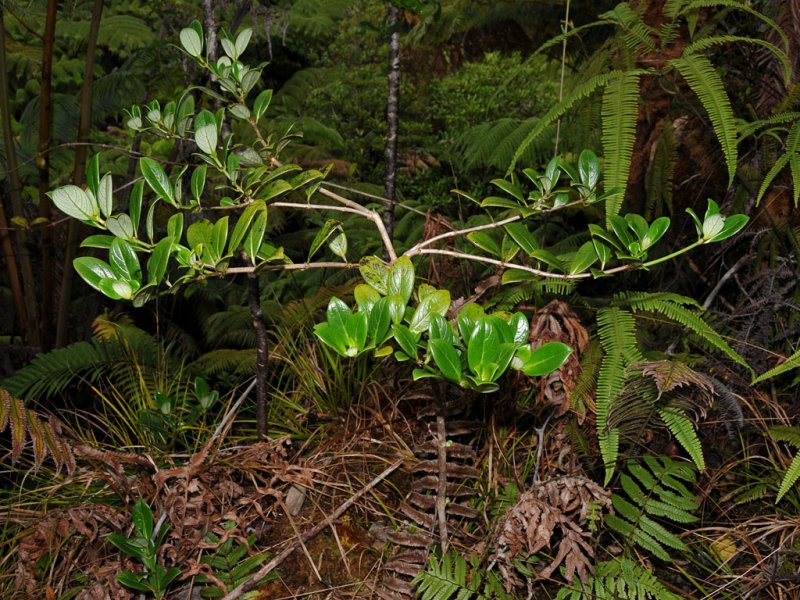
(62, 332)
(26, 305)
(43, 165)
(210, 26)
(262, 354)
(392, 121)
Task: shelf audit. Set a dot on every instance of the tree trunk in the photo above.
(43, 165)
(262, 354)
(210, 26)
(392, 121)
(62, 332)
(29, 332)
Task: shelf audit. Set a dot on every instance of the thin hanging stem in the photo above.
(563, 69)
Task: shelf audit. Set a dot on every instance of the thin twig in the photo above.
(250, 584)
(441, 455)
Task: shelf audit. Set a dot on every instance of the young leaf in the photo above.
(142, 518)
(338, 246)
(483, 346)
(378, 321)
(733, 225)
(401, 278)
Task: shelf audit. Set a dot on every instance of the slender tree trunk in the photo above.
(210, 26)
(262, 354)
(13, 275)
(62, 332)
(43, 165)
(29, 332)
(392, 121)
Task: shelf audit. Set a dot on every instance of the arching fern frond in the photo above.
(660, 174)
(738, 5)
(793, 362)
(452, 578)
(674, 308)
(706, 83)
(791, 435)
(790, 157)
(620, 110)
(683, 429)
(719, 40)
(636, 33)
(226, 360)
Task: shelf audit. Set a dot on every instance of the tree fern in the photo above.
(617, 330)
(653, 490)
(706, 83)
(620, 110)
(451, 578)
(619, 579)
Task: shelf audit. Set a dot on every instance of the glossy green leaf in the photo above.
(256, 235)
(441, 329)
(135, 205)
(98, 241)
(93, 270)
(175, 226)
(356, 332)
(546, 359)
(485, 242)
(157, 179)
(338, 313)
(519, 327)
(199, 233)
(637, 224)
(157, 263)
(518, 275)
(378, 321)
(584, 258)
(375, 273)
(406, 339)
(366, 296)
(589, 169)
(219, 236)
(508, 248)
(510, 188)
(262, 103)
(326, 231)
(482, 346)
(620, 229)
(603, 252)
(468, 318)
(124, 262)
(338, 246)
(93, 174)
(198, 181)
(446, 358)
(332, 337)
(435, 303)
(142, 518)
(733, 225)
(397, 308)
(205, 132)
(713, 226)
(655, 232)
(401, 279)
(243, 224)
(549, 259)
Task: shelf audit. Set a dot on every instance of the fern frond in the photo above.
(790, 478)
(660, 174)
(653, 489)
(683, 429)
(620, 110)
(226, 360)
(674, 308)
(706, 83)
(580, 92)
(636, 33)
(720, 40)
(45, 435)
(621, 579)
(738, 5)
(451, 577)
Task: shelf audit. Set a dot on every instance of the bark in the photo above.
(262, 354)
(210, 27)
(62, 332)
(392, 122)
(27, 301)
(43, 165)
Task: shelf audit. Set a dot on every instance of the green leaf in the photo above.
(192, 42)
(619, 112)
(682, 428)
(124, 262)
(198, 181)
(93, 174)
(546, 359)
(589, 168)
(406, 339)
(510, 188)
(378, 321)
(76, 203)
(338, 246)
(256, 235)
(366, 296)
(142, 518)
(482, 346)
(242, 40)
(485, 242)
(790, 478)
(205, 132)
(175, 226)
(262, 103)
(157, 263)
(219, 235)
(401, 279)
(520, 328)
(135, 205)
(446, 358)
(435, 303)
(584, 258)
(338, 313)
(468, 318)
(327, 230)
(375, 272)
(521, 235)
(332, 336)
(121, 226)
(655, 232)
(98, 241)
(93, 270)
(105, 195)
(733, 225)
(243, 224)
(157, 179)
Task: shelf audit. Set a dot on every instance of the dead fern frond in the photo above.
(45, 435)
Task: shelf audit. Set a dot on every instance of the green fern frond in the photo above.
(738, 5)
(706, 83)
(749, 128)
(636, 33)
(660, 174)
(720, 40)
(621, 579)
(793, 362)
(653, 488)
(580, 92)
(790, 478)
(683, 429)
(226, 360)
(791, 157)
(620, 110)
(451, 577)
(781, 433)
(674, 308)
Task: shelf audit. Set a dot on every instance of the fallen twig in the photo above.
(270, 566)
